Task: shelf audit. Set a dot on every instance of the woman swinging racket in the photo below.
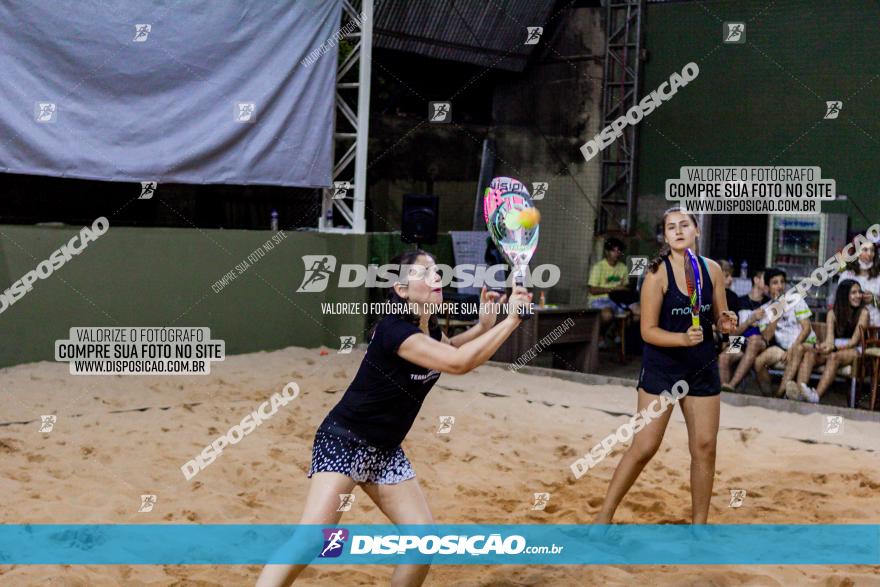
(359, 441)
(675, 350)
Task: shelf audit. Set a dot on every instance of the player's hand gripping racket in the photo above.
(512, 221)
(695, 292)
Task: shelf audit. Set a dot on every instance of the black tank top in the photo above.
(382, 402)
(675, 316)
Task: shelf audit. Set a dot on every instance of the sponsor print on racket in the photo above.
(695, 292)
(512, 221)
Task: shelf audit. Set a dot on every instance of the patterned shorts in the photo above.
(361, 462)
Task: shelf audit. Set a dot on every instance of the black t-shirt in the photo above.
(747, 303)
(382, 402)
(732, 301)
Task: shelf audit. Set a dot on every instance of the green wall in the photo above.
(163, 277)
(763, 102)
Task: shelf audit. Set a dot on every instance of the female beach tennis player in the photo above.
(675, 350)
(359, 441)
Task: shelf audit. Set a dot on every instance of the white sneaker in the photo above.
(809, 394)
(792, 391)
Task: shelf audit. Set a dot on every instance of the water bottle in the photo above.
(273, 223)
(744, 269)
(328, 218)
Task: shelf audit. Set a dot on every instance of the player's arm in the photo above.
(466, 336)
(420, 349)
(651, 300)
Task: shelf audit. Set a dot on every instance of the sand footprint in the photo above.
(564, 451)
(7, 445)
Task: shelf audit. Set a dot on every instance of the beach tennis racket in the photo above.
(695, 292)
(503, 204)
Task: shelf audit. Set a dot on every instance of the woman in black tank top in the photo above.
(358, 443)
(678, 358)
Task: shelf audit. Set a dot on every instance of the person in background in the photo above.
(866, 271)
(750, 312)
(783, 336)
(608, 275)
(843, 337)
(732, 298)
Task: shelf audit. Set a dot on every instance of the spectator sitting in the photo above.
(608, 275)
(843, 336)
(866, 271)
(783, 336)
(750, 312)
(732, 301)
(732, 298)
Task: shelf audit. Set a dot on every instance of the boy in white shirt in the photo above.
(785, 336)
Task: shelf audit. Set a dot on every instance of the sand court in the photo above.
(118, 438)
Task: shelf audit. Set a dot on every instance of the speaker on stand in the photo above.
(419, 219)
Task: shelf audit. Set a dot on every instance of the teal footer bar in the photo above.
(482, 544)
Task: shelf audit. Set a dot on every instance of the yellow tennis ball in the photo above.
(529, 217)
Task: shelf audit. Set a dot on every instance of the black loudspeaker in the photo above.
(420, 216)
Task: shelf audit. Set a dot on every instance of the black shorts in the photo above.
(705, 382)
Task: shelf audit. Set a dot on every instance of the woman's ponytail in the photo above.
(658, 260)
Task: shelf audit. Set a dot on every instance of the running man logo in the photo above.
(318, 270)
(737, 496)
(346, 500)
(45, 112)
(440, 112)
(832, 424)
(446, 424)
(141, 32)
(47, 423)
(734, 32)
(637, 266)
(246, 112)
(539, 189)
(340, 189)
(334, 542)
(147, 503)
(533, 34)
(541, 500)
(736, 344)
(832, 109)
(346, 344)
(148, 188)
